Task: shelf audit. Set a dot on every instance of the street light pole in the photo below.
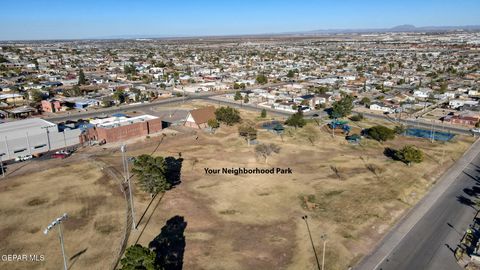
(123, 149)
(54, 223)
(311, 241)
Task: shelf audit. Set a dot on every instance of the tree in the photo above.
(227, 115)
(291, 74)
(265, 150)
(261, 79)
(246, 99)
(381, 133)
(357, 117)
(296, 120)
(119, 95)
(138, 257)
(343, 107)
(213, 124)
(72, 92)
(36, 95)
(248, 131)
(409, 154)
(365, 101)
(130, 69)
(151, 172)
(263, 114)
(81, 78)
(237, 96)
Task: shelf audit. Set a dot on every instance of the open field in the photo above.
(30, 201)
(353, 193)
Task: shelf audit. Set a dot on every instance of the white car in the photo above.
(23, 158)
(476, 130)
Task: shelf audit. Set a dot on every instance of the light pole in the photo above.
(54, 223)
(123, 149)
(311, 241)
(324, 238)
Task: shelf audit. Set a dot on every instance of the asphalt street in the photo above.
(427, 237)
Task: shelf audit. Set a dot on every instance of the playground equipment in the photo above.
(273, 126)
(340, 124)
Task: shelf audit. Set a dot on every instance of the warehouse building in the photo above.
(34, 136)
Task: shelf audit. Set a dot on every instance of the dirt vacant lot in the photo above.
(352, 193)
(93, 201)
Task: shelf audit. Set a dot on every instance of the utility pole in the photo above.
(48, 136)
(311, 241)
(126, 171)
(54, 223)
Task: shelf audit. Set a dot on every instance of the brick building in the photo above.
(116, 129)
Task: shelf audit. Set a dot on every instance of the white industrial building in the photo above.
(34, 136)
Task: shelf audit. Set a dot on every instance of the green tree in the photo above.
(72, 92)
(261, 79)
(151, 173)
(409, 154)
(227, 115)
(248, 131)
(213, 124)
(291, 74)
(246, 99)
(237, 96)
(119, 95)
(263, 114)
(81, 78)
(130, 69)
(365, 101)
(138, 257)
(36, 95)
(381, 133)
(343, 107)
(296, 120)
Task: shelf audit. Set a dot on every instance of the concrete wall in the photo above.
(30, 144)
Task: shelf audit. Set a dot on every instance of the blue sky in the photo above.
(66, 19)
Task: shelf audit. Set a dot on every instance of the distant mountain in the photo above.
(398, 28)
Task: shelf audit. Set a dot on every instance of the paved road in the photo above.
(427, 236)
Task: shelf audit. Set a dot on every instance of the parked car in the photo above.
(23, 158)
(59, 155)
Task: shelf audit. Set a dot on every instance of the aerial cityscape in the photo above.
(240, 135)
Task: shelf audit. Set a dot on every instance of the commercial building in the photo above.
(33, 136)
(120, 128)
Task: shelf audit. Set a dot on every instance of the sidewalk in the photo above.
(404, 225)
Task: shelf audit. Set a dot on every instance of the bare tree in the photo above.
(265, 150)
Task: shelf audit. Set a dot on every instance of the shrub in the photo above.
(380, 133)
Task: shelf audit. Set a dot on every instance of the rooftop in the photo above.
(31, 125)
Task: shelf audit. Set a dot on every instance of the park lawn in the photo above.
(93, 231)
(254, 221)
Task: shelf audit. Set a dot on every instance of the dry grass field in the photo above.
(93, 201)
(352, 193)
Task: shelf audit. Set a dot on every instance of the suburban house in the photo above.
(461, 119)
(198, 118)
(382, 107)
(51, 105)
(457, 103)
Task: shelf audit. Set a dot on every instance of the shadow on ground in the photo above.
(169, 245)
